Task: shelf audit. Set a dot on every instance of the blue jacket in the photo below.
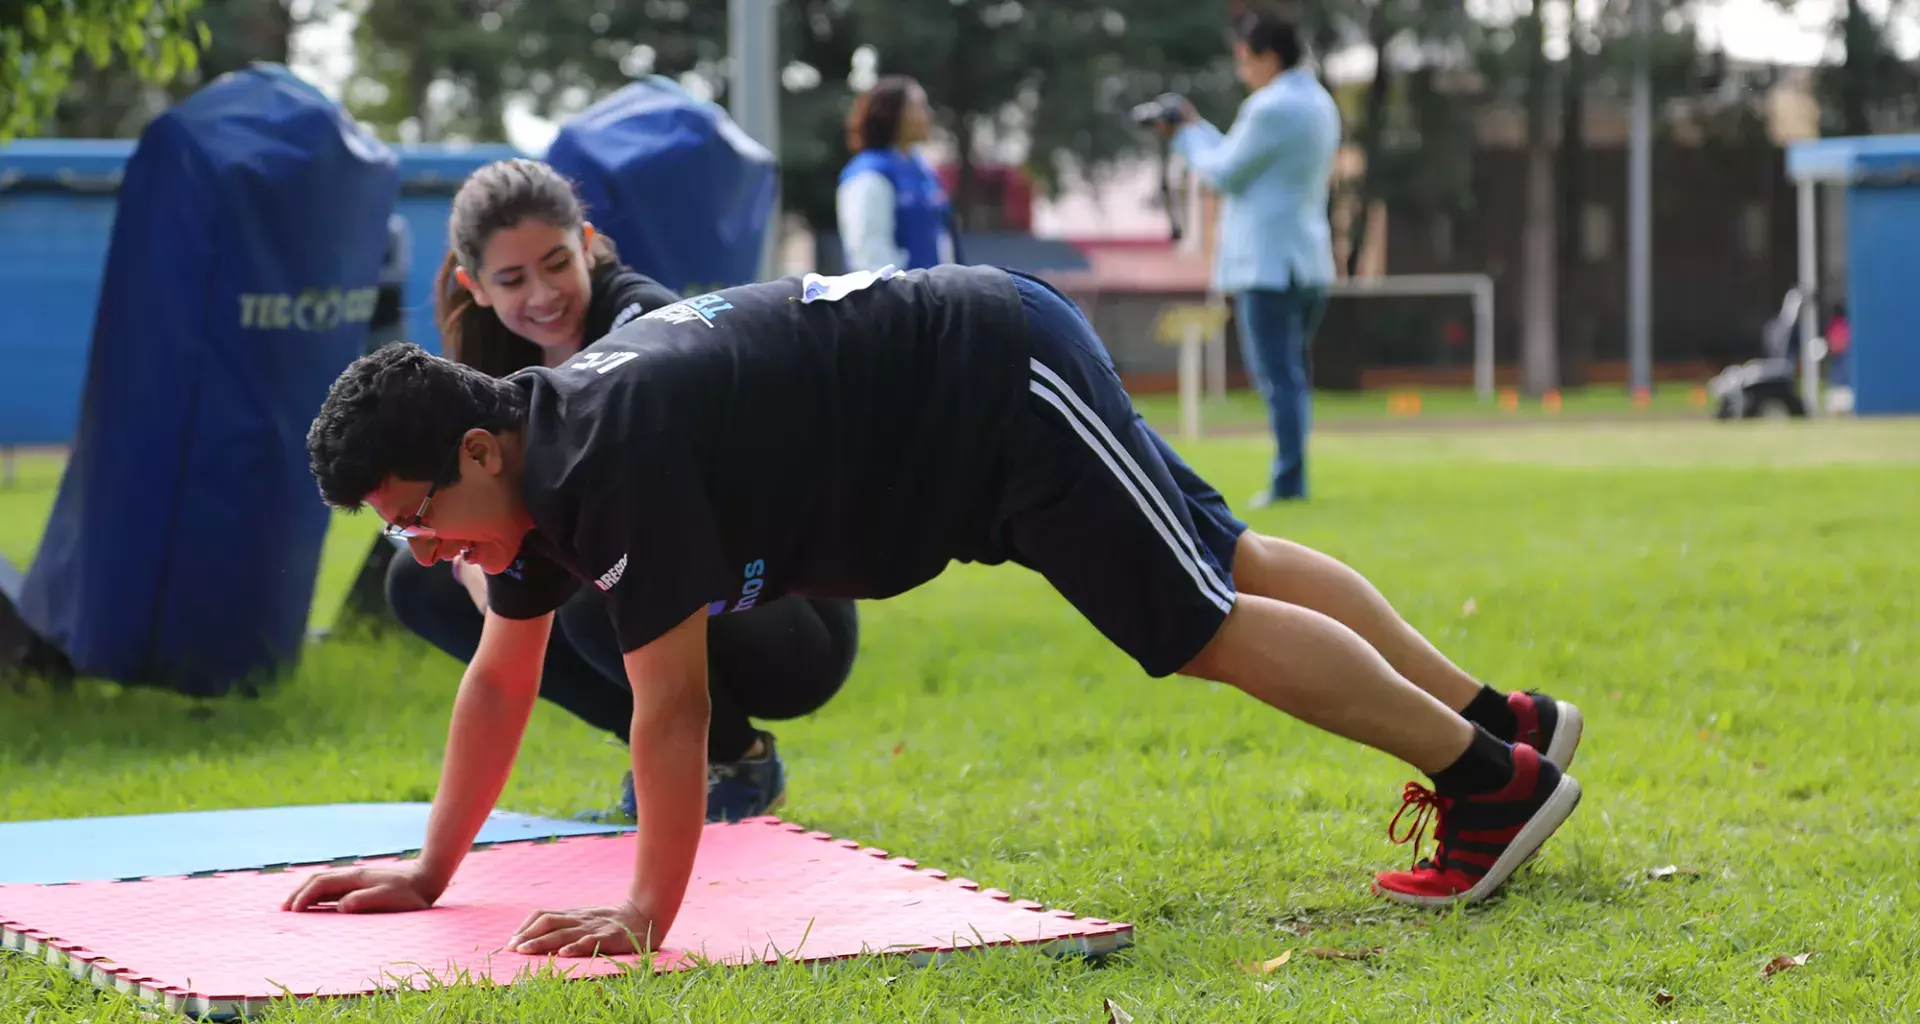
(1272, 169)
(920, 210)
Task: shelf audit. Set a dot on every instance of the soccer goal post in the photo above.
(1198, 331)
(1476, 287)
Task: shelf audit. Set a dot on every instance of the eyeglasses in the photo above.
(414, 527)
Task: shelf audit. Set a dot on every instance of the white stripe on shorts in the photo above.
(1153, 505)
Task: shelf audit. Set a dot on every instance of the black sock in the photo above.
(1489, 708)
(1486, 766)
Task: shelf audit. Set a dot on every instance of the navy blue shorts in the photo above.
(1100, 505)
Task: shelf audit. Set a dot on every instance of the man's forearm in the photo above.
(482, 741)
(670, 796)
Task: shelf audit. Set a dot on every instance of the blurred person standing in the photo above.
(1275, 253)
(890, 205)
(1839, 345)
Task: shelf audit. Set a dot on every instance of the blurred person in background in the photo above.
(528, 282)
(1839, 344)
(1275, 250)
(890, 206)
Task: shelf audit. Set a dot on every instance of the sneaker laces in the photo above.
(1429, 808)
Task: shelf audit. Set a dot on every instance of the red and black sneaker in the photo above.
(1481, 839)
(1550, 726)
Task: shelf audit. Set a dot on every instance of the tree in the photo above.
(818, 41)
(1432, 32)
(1062, 74)
(42, 42)
(1539, 336)
(1871, 90)
(115, 102)
(429, 70)
(1515, 61)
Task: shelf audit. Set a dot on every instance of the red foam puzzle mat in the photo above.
(762, 890)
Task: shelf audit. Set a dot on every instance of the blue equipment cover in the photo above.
(193, 842)
(56, 217)
(430, 174)
(682, 191)
(1883, 246)
(242, 275)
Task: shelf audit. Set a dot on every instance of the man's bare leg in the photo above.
(1300, 576)
(1312, 667)
(1501, 803)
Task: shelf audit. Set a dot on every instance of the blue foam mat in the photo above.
(192, 842)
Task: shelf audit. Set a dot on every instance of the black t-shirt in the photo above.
(619, 294)
(836, 437)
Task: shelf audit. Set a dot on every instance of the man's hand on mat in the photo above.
(361, 891)
(583, 932)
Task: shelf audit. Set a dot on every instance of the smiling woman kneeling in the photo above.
(528, 282)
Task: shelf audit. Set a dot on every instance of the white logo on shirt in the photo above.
(611, 576)
(625, 315)
(701, 308)
(600, 362)
(815, 288)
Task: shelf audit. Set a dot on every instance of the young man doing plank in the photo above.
(850, 437)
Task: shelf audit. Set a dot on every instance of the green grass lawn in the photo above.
(1731, 604)
(25, 506)
(1241, 411)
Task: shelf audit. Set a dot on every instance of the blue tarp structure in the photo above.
(430, 173)
(705, 196)
(242, 275)
(1881, 176)
(683, 192)
(56, 218)
(1883, 250)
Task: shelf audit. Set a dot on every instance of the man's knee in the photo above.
(1253, 554)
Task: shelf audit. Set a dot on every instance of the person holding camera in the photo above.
(1275, 252)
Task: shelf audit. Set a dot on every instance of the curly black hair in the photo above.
(401, 411)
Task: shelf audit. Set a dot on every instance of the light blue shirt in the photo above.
(1271, 169)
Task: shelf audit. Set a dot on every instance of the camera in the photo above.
(1162, 109)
